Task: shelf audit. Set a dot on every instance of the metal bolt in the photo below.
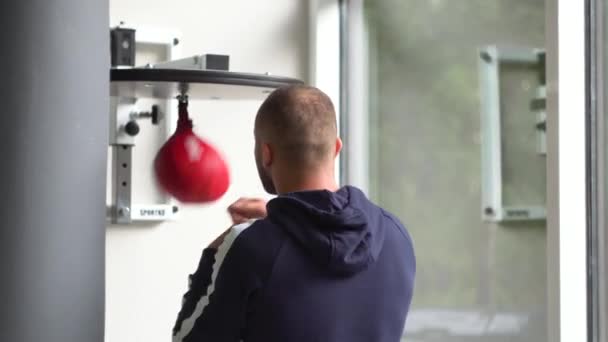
(175, 41)
(485, 56)
(183, 98)
(124, 211)
(183, 89)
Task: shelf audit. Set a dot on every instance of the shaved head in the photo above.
(299, 122)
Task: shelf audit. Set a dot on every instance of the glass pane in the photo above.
(478, 279)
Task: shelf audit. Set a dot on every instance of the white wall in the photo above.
(147, 265)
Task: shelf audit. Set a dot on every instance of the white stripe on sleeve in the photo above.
(188, 323)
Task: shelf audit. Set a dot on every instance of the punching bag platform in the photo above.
(198, 84)
(179, 79)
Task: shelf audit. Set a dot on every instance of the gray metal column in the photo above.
(54, 100)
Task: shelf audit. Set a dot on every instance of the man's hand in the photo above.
(246, 209)
(241, 211)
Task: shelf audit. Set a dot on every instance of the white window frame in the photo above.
(328, 44)
(324, 56)
(356, 92)
(566, 165)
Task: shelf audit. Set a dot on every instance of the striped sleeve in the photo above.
(199, 300)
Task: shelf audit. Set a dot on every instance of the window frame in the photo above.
(325, 58)
(596, 171)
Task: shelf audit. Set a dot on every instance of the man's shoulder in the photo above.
(405, 245)
(258, 232)
(396, 223)
(256, 242)
(391, 217)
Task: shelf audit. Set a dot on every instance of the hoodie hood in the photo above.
(340, 230)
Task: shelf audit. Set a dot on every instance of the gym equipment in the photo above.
(491, 59)
(199, 77)
(189, 168)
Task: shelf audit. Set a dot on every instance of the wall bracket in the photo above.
(491, 58)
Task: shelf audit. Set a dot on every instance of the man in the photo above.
(321, 263)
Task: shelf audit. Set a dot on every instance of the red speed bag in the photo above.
(188, 168)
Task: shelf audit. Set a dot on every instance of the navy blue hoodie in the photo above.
(322, 266)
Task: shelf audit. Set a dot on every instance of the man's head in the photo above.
(296, 139)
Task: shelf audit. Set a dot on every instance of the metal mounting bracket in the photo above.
(490, 60)
(123, 110)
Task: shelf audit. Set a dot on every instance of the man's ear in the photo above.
(267, 155)
(338, 146)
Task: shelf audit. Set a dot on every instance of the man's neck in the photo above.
(307, 184)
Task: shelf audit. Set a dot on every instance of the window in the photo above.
(477, 277)
(453, 108)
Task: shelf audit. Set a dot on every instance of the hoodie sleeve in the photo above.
(215, 306)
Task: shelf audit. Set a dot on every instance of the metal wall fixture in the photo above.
(491, 58)
(124, 114)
